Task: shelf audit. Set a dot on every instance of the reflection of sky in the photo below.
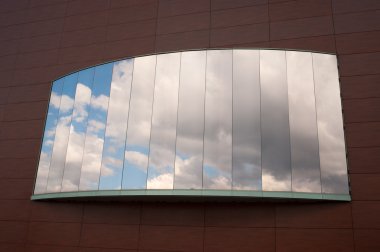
(49, 136)
(246, 121)
(78, 127)
(186, 126)
(139, 124)
(114, 144)
(276, 168)
(190, 126)
(62, 133)
(330, 125)
(164, 120)
(218, 120)
(93, 148)
(303, 124)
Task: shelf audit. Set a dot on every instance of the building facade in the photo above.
(42, 40)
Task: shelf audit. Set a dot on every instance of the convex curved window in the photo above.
(241, 122)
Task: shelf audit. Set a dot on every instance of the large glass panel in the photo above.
(139, 124)
(217, 161)
(93, 147)
(303, 124)
(330, 125)
(189, 145)
(57, 164)
(78, 127)
(49, 136)
(116, 129)
(275, 142)
(164, 121)
(246, 158)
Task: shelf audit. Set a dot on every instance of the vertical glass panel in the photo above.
(49, 136)
(189, 146)
(116, 129)
(75, 146)
(330, 125)
(246, 158)
(217, 161)
(164, 121)
(139, 124)
(303, 123)
(93, 146)
(275, 142)
(62, 133)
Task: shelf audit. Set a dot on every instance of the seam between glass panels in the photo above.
(288, 119)
(151, 123)
(85, 136)
(126, 130)
(316, 122)
(176, 131)
(204, 121)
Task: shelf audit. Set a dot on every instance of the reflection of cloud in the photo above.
(137, 159)
(162, 181)
(55, 100)
(100, 102)
(218, 183)
(188, 173)
(95, 126)
(273, 184)
(43, 172)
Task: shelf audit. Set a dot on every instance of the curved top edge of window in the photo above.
(209, 193)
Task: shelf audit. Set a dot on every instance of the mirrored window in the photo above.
(97, 118)
(190, 126)
(275, 144)
(330, 125)
(78, 127)
(49, 137)
(116, 128)
(217, 162)
(246, 121)
(139, 124)
(58, 159)
(306, 175)
(164, 122)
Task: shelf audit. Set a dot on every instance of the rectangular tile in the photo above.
(229, 4)
(313, 215)
(182, 41)
(171, 238)
(131, 30)
(46, 12)
(363, 134)
(62, 234)
(299, 9)
(109, 236)
(365, 186)
(39, 92)
(22, 129)
(43, 27)
(364, 160)
(309, 239)
(359, 64)
(87, 53)
(342, 6)
(133, 13)
(239, 239)
(25, 111)
(56, 212)
(16, 189)
(315, 26)
(181, 7)
(40, 43)
(367, 240)
(240, 215)
(45, 58)
(11, 5)
(365, 214)
(239, 16)
(128, 48)
(358, 42)
(239, 35)
(357, 22)
(85, 21)
(15, 210)
(190, 22)
(112, 213)
(85, 6)
(361, 110)
(358, 87)
(13, 231)
(18, 167)
(320, 44)
(172, 214)
(84, 37)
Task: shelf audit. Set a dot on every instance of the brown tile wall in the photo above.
(43, 39)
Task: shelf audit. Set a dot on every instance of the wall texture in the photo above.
(41, 40)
